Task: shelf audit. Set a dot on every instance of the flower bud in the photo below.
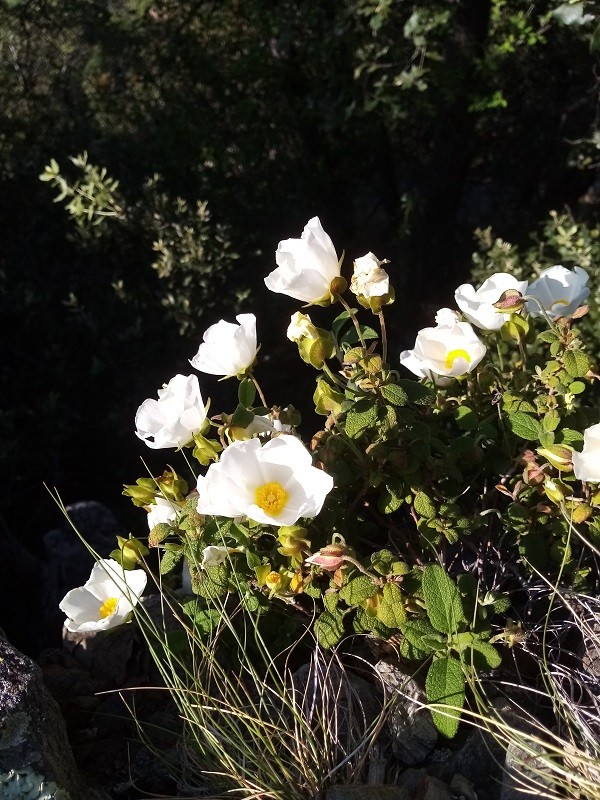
(330, 558)
(556, 491)
(510, 300)
(559, 455)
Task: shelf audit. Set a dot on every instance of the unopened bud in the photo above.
(510, 300)
(556, 491)
(559, 455)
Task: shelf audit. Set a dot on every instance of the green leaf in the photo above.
(577, 363)
(491, 656)
(211, 582)
(329, 628)
(417, 393)
(358, 590)
(442, 599)
(524, 425)
(445, 684)
(246, 393)
(413, 646)
(391, 610)
(205, 620)
(466, 418)
(242, 417)
(577, 387)
(394, 394)
(170, 560)
(362, 415)
(568, 435)
(424, 506)
(390, 498)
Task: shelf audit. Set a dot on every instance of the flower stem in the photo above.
(542, 309)
(384, 345)
(259, 390)
(353, 318)
(333, 376)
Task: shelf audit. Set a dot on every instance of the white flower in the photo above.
(173, 419)
(446, 316)
(586, 465)
(446, 350)
(560, 291)
(162, 510)
(227, 349)
(369, 279)
(305, 266)
(275, 483)
(477, 305)
(301, 327)
(106, 599)
(213, 555)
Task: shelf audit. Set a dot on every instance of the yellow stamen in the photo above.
(108, 607)
(560, 302)
(453, 355)
(271, 497)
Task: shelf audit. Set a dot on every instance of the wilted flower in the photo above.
(478, 305)
(301, 327)
(369, 279)
(173, 419)
(275, 483)
(306, 266)
(162, 510)
(446, 351)
(586, 465)
(227, 349)
(446, 316)
(213, 555)
(105, 600)
(560, 291)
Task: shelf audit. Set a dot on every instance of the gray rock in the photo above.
(361, 791)
(418, 784)
(479, 760)
(36, 761)
(525, 772)
(412, 730)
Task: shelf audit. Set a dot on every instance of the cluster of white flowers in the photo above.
(452, 348)
(275, 482)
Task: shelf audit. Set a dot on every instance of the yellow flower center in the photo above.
(559, 302)
(453, 355)
(108, 607)
(271, 497)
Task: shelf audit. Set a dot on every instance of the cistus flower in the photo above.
(446, 351)
(161, 511)
(559, 290)
(478, 304)
(446, 316)
(306, 266)
(586, 465)
(227, 349)
(173, 419)
(213, 555)
(369, 281)
(105, 600)
(275, 483)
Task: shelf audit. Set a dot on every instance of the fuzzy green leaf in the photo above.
(524, 425)
(362, 415)
(170, 560)
(577, 363)
(329, 628)
(394, 394)
(445, 684)
(424, 506)
(358, 590)
(442, 599)
(391, 609)
(491, 656)
(246, 393)
(417, 393)
(413, 646)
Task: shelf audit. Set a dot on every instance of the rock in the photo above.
(525, 772)
(359, 791)
(412, 730)
(418, 784)
(36, 761)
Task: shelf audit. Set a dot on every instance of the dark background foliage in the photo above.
(403, 125)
